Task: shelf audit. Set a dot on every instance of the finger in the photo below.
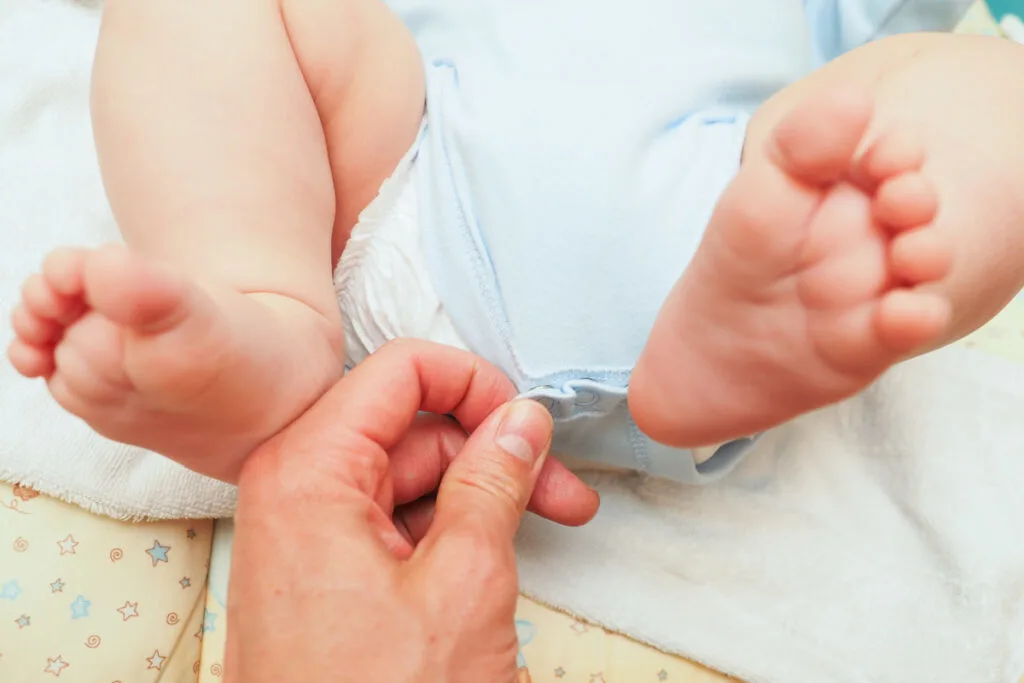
(486, 489)
(383, 395)
(414, 520)
(344, 437)
(420, 459)
(562, 497)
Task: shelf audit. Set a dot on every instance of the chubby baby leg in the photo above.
(236, 158)
(873, 218)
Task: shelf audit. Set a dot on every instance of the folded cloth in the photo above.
(51, 195)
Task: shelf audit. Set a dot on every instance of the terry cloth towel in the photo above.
(51, 195)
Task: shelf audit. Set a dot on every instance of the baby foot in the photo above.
(148, 358)
(810, 282)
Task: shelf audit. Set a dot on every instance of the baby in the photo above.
(848, 222)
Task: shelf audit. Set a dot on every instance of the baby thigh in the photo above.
(365, 74)
(273, 122)
(963, 98)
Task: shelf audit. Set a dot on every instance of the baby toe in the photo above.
(33, 329)
(891, 154)
(907, 320)
(63, 270)
(42, 300)
(91, 361)
(905, 201)
(816, 142)
(30, 360)
(920, 256)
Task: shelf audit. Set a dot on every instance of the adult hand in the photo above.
(326, 586)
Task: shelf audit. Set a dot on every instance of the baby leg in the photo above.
(874, 217)
(236, 157)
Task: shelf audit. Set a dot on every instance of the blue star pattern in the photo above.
(158, 553)
(80, 608)
(10, 590)
(208, 621)
(84, 607)
(55, 665)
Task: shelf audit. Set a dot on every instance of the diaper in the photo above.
(382, 283)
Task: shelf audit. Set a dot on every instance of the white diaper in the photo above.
(382, 282)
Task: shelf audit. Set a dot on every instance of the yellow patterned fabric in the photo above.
(90, 599)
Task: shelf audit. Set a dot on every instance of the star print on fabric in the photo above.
(80, 608)
(191, 533)
(10, 590)
(578, 627)
(597, 678)
(68, 545)
(156, 661)
(208, 621)
(185, 582)
(23, 621)
(662, 675)
(128, 610)
(54, 665)
(158, 553)
(57, 586)
(559, 672)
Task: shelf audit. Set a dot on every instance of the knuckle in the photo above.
(488, 476)
(483, 562)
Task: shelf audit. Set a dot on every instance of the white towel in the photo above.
(51, 195)
(881, 540)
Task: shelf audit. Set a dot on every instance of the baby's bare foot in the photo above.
(201, 375)
(810, 282)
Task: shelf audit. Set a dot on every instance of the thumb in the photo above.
(485, 491)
